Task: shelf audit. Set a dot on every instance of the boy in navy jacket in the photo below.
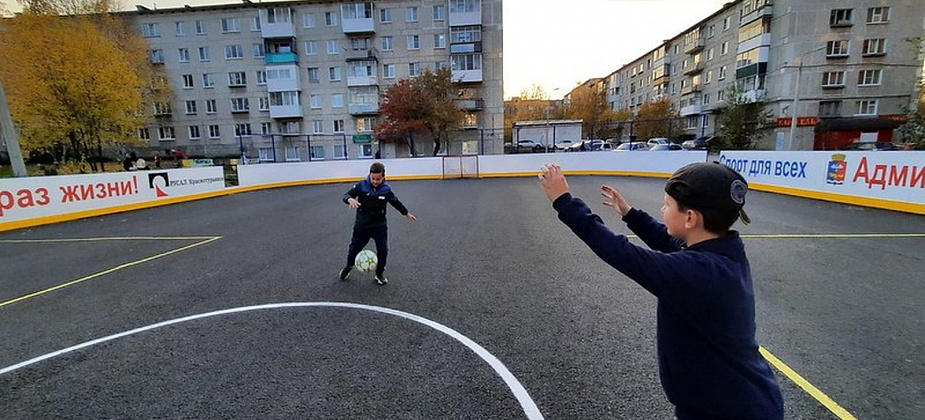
(369, 197)
(708, 358)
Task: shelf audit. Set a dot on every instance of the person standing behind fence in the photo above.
(369, 197)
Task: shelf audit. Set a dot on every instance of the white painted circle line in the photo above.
(529, 407)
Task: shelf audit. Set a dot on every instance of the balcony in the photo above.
(281, 27)
(694, 68)
(359, 26)
(467, 76)
(693, 88)
(363, 108)
(466, 48)
(281, 58)
(470, 104)
(285, 111)
(753, 95)
(362, 54)
(690, 110)
(763, 40)
(694, 46)
(353, 81)
(466, 14)
(661, 78)
(766, 10)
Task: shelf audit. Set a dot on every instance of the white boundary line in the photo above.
(529, 407)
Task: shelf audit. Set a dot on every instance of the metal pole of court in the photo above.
(8, 132)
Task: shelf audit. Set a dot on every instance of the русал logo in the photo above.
(159, 186)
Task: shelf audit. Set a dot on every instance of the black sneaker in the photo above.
(381, 280)
(345, 273)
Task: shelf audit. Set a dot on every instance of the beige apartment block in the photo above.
(856, 61)
(303, 80)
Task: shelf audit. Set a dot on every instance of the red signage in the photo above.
(801, 121)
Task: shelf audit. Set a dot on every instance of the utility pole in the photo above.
(8, 132)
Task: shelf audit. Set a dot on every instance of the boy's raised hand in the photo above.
(553, 181)
(613, 198)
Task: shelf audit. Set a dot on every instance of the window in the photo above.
(411, 14)
(466, 61)
(874, 47)
(144, 134)
(255, 24)
(339, 151)
(385, 15)
(190, 107)
(726, 24)
(711, 31)
(257, 50)
(387, 43)
(833, 79)
(234, 52)
(722, 73)
(207, 81)
(836, 49)
(867, 107)
(314, 101)
(878, 14)
(830, 108)
(239, 105)
(708, 77)
(165, 133)
(308, 20)
(150, 30)
(365, 150)
(261, 77)
(313, 75)
(414, 42)
(338, 126)
(201, 28)
(317, 153)
(180, 28)
(330, 18)
(183, 55)
(388, 71)
(288, 98)
(214, 132)
(334, 74)
(337, 100)
(311, 47)
(266, 128)
(710, 54)
(840, 17)
(231, 25)
(333, 47)
(439, 13)
(439, 41)
(157, 56)
(706, 99)
(365, 124)
(869, 77)
(317, 126)
(187, 81)
(162, 108)
(211, 106)
(203, 53)
(724, 49)
(265, 154)
(720, 96)
(465, 34)
(278, 15)
(237, 79)
(194, 132)
(414, 69)
(263, 104)
(242, 130)
(292, 154)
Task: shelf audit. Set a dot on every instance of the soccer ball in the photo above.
(366, 261)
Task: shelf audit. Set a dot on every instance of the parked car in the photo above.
(525, 146)
(873, 146)
(632, 146)
(594, 145)
(665, 147)
(564, 144)
(700, 143)
(658, 140)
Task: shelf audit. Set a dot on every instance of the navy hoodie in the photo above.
(707, 352)
(373, 200)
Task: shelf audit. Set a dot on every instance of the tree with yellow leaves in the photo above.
(588, 102)
(658, 118)
(78, 80)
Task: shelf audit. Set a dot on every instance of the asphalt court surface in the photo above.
(838, 296)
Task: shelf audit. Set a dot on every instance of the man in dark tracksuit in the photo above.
(708, 358)
(369, 197)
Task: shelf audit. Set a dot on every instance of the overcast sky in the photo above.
(557, 44)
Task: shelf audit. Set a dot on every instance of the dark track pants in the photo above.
(361, 237)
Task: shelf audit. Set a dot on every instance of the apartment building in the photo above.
(303, 80)
(855, 60)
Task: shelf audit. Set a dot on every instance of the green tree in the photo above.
(89, 87)
(740, 120)
(425, 102)
(658, 118)
(913, 130)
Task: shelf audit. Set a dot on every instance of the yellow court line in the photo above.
(101, 273)
(808, 387)
(106, 238)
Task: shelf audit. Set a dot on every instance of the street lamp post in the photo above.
(796, 97)
(548, 105)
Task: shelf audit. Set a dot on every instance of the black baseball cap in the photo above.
(709, 185)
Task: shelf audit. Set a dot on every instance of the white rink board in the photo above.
(654, 163)
(43, 196)
(895, 176)
(335, 171)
